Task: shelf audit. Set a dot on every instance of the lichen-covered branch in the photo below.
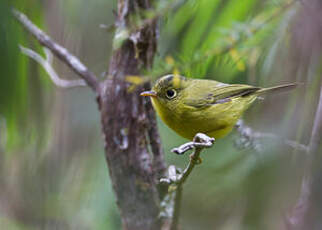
(62, 53)
(250, 136)
(176, 179)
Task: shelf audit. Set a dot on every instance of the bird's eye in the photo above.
(171, 93)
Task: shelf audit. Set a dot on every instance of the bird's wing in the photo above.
(218, 95)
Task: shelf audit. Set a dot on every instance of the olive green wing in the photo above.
(206, 96)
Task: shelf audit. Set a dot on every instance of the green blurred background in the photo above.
(53, 173)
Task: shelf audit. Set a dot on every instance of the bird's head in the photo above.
(167, 90)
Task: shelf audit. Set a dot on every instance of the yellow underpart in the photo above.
(215, 121)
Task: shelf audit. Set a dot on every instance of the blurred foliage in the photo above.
(219, 38)
(53, 173)
(16, 94)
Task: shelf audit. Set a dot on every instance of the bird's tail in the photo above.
(278, 89)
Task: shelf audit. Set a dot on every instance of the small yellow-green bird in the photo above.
(191, 106)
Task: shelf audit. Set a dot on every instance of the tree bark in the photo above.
(126, 125)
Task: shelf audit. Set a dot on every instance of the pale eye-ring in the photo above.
(171, 93)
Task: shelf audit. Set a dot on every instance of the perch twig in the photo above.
(175, 179)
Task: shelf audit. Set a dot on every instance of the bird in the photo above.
(190, 106)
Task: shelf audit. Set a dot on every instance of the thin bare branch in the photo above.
(47, 65)
(294, 220)
(62, 53)
(176, 208)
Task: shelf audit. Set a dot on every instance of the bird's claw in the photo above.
(196, 161)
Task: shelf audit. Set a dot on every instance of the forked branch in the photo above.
(62, 53)
(47, 65)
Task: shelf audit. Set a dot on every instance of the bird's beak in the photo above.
(148, 94)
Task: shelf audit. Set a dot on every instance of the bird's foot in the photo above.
(196, 161)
